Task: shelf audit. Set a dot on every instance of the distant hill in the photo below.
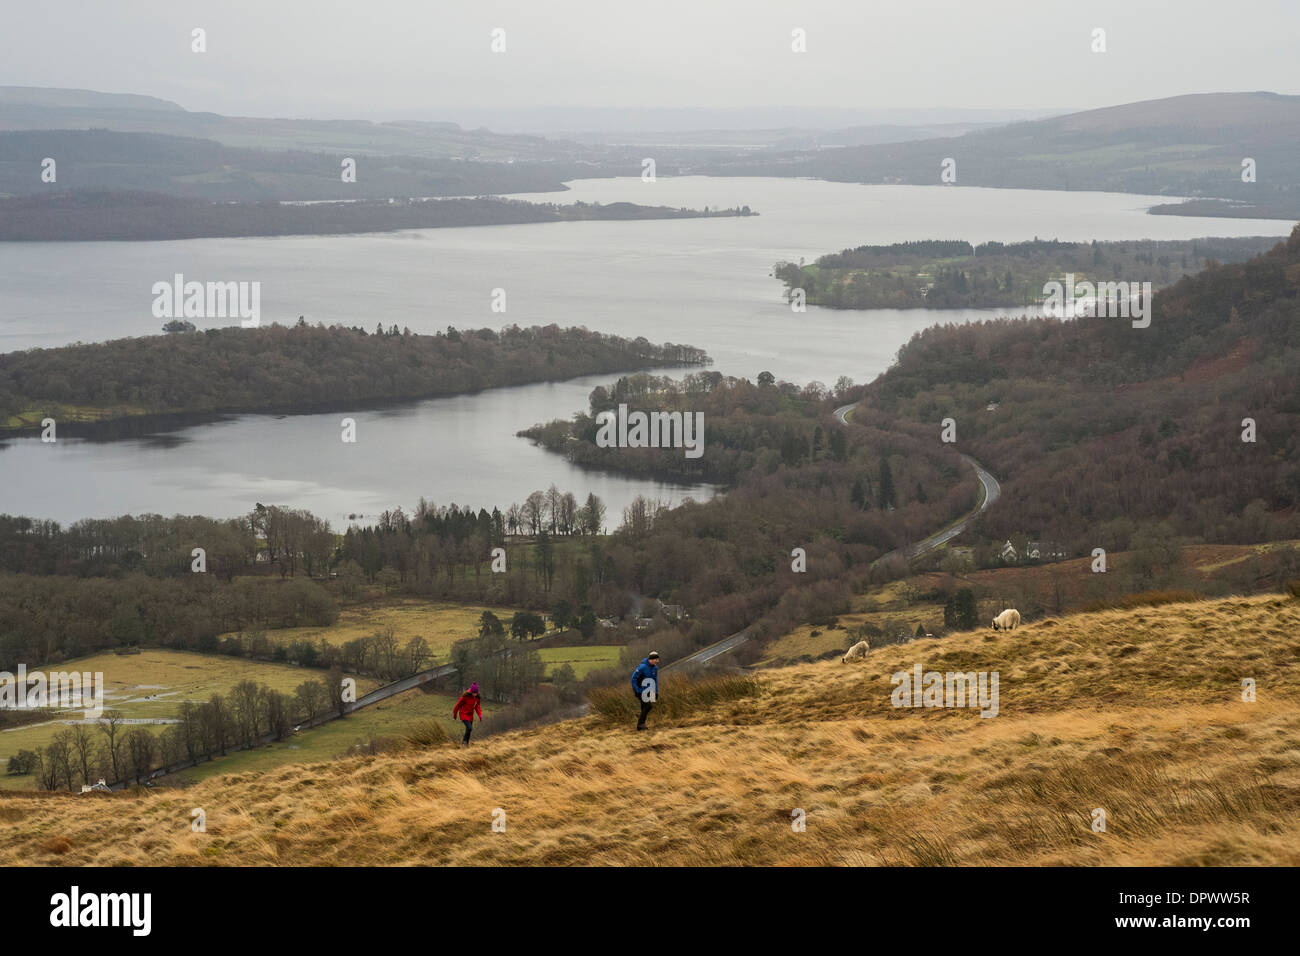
(34, 108)
(52, 97)
(1180, 146)
(114, 141)
(188, 166)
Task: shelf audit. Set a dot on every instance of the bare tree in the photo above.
(554, 503)
(217, 723)
(418, 654)
(533, 508)
(246, 698)
(311, 699)
(140, 747)
(59, 753)
(83, 749)
(568, 512)
(113, 729)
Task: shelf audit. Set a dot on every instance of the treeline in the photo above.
(434, 543)
(950, 274)
(1099, 430)
(303, 368)
(99, 216)
(747, 427)
(117, 752)
(49, 618)
(284, 539)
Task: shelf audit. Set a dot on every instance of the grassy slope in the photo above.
(392, 717)
(1138, 712)
(888, 608)
(152, 685)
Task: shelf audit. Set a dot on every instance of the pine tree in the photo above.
(885, 497)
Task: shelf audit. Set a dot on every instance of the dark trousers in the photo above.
(469, 725)
(645, 711)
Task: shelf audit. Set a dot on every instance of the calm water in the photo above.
(703, 282)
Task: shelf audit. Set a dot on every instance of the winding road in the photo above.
(990, 492)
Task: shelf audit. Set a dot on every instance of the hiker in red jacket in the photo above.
(465, 709)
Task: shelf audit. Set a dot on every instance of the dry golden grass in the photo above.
(1137, 712)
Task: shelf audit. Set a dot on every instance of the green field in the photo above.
(151, 685)
(583, 660)
(439, 624)
(389, 718)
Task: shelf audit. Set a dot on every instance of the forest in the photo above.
(99, 584)
(101, 215)
(952, 274)
(1095, 427)
(300, 368)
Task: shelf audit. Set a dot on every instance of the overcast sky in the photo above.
(385, 58)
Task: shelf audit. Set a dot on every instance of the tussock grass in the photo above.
(679, 697)
(1158, 736)
(1144, 599)
(428, 733)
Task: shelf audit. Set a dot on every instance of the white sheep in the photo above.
(1008, 620)
(857, 652)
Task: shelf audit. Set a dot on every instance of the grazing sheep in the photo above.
(857, 652)
(1008, 620)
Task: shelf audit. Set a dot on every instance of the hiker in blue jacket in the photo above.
(645, 684)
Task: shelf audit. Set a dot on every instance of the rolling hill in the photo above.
(1096, 427)
(1184, 146)
(1138, 712)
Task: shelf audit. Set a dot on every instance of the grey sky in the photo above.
(385, 58)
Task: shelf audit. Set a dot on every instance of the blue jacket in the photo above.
(645, 669)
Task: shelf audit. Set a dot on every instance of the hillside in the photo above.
(57, 99)
(50, 109)
(1189, 145)
(1136, 712)
(1096, 428)
(199, 167)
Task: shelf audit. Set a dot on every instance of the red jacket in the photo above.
(467, 706)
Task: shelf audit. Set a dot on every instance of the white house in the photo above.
(1045, 551)
(1034, 551)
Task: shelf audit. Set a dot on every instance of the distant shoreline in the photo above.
(153, 217)
(130, 387)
